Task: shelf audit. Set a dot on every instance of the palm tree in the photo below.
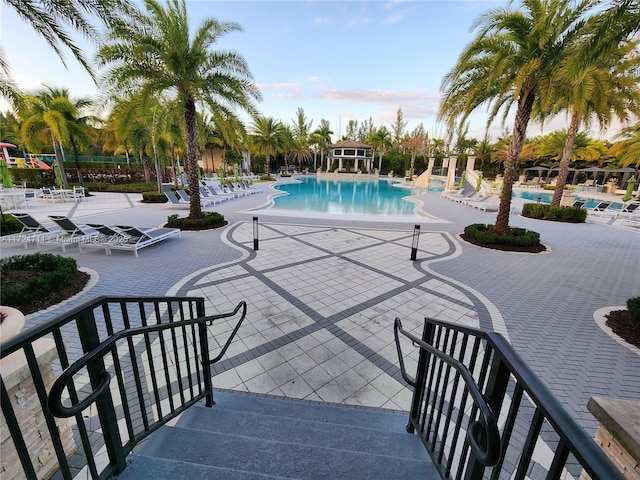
(604, 86)
(50, 114)
(268, 137)
(157, 53)
(513, 56)
(553, 146)
(627, 150)
(323, 133)
(381, 141)
(55, 20)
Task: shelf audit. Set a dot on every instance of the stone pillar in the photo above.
(451, 175)
(445, 166)
(618, 434)
(21, 389)
(471, 163)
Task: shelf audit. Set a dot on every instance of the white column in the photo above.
(451, 175)
(471, 163)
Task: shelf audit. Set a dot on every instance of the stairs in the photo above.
(250, 437)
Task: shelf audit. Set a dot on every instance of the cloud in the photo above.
(392, 19)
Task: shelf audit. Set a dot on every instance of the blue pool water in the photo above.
(347, 197)
(546, 197)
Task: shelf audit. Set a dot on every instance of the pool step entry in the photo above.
(246, 436)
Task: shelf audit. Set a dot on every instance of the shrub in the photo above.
(548, 212)
(267, 178)
(9, 225)
(517, 236)
(34, 177)
(633, 305)
(285, 174)
(154, 197)
(56, 272)
(208, 220)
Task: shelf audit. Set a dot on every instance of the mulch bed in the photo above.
(195, 229)
(539, 248)
(620, 323)
(20, 276)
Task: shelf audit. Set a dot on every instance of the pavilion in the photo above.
(351, 151)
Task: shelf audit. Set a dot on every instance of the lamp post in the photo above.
(255, 233)
(414, 242)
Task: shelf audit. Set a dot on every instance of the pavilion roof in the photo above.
(349, 144)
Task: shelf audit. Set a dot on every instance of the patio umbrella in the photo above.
(56, 170)
(4, 173)
(629, 193)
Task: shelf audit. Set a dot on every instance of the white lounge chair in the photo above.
(72, 233)
(135, 238)
(32, 231)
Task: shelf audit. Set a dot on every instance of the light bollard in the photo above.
(255, 233)
(414, 242)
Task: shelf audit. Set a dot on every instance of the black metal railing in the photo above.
(482, 413)
(157, 350)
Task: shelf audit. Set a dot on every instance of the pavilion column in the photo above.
(451, 175)
(445, 166)
(471, 163)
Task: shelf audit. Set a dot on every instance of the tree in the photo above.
(627, 150)
(381, 141)
(416, 141)
(323, 133)
(604, 87)
(55, 20)
(514, 54)
(49, 114)
(268, 137)
(398, 127)
(157, 53)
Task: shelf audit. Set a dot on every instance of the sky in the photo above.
(337, 60)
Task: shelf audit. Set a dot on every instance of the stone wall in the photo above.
(26, 405)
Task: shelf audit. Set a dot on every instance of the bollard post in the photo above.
(255, 233)
(414, 242)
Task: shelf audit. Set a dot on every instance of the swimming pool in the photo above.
(347, 197)
(547, 196)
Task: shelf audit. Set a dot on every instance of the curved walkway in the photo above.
(323, 294)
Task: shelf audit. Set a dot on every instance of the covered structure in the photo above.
(352, 152)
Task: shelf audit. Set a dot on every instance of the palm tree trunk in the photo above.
(57, 149)
(268, 161)
(566, 159)
(191, 127)
(525, 104)
(77, 159)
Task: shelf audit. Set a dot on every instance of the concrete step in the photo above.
(251, 437)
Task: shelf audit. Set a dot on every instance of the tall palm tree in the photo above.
(553, 145)
(323, 133)
(627, 150)
(268, 137)
(604, 87)
(512, 57)
(157, 53)
(55, 21)
(381, 141)
(51, 114)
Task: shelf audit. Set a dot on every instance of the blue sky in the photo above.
(338, 60)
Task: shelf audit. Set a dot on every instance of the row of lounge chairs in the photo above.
(211, 193)
(604, 208)
(481, 201)
(68, 232)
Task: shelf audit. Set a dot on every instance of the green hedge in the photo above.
(154, 197)
(208, 220)
(57, 273)
(516, 237)
(633, 305)
(543, 211)
(9, 225)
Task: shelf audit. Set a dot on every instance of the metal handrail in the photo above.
(483, 435)
(54, 400)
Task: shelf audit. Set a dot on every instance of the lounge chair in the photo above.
(215, 191)
(601, 206)
(71, 233)
(166, 189)
(488, 204)
(187, 198)
(205, 193)
(106, 237)
(238, 193)
(137, 238)
(32, 231)
(244, 186)
(631, 210)
(578, 204)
